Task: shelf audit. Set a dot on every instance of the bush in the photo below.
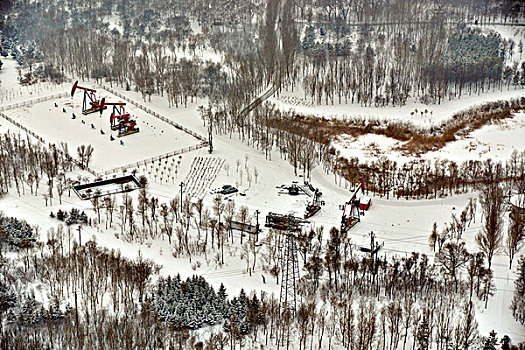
(76, 217)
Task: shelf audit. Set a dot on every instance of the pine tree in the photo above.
(60, 215)
(491, 342)
(505, 342)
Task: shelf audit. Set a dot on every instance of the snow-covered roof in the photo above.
(518, 200)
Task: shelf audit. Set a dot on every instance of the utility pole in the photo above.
(210, 133)
(181, 186)
(257, 212)
(79, 235)
(373, 250)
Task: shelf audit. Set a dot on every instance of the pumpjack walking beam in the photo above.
(351, 215)
(90, 103)
(118, 107)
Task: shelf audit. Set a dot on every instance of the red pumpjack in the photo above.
(118, 114)
(90, 103)
(127, 128)
(119, 119)
(351, 215)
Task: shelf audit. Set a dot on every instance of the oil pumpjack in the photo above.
(351, 215)
(90, 103)
(119, 119)
(314, 206)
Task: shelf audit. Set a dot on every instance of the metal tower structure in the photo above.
(290, 271)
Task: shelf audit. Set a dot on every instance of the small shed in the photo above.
(365, 202)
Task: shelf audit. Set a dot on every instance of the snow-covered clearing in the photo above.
(51, 123)
(496, 141)
(413, 112)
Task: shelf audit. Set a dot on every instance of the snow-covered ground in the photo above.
(51, 123)
(403, 226)
(12, 92)
(413, 112)
(496, 141)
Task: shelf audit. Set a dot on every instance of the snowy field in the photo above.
(496, 141)
(403, 225)
(413, 112)
(51, 123)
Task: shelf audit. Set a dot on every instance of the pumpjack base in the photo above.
(92, 110)
(126, 133)
(345, 228)
(310, 213)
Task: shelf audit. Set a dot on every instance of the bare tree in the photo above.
(244, 218)
(95, 202)
(174, 207)
(168, 223)
(490, 239)
(452, 257)
(434, 236)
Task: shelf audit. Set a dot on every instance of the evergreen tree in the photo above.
(491, 342)
(505, 342)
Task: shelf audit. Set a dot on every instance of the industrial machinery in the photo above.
(118, 114)
(351, 215)
(127, 128)
(283, 221)
(119, 119)
(90, 103)
(314, 206)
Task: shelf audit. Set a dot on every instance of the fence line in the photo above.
(156, 158)
(38, 137)
(17, 124)
(156, 115)
(33, 101)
